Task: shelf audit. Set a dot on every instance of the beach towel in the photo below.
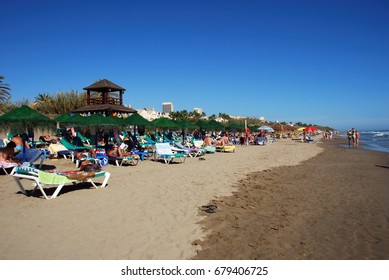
(52, 178)
(7, 164)
(55, 148)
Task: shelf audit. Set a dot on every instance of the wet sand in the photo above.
(334, 206)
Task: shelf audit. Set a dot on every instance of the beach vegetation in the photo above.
(224, 116)
(60, 102)
(188, 116)
(42, 97)
(9, 105)
(5, 95)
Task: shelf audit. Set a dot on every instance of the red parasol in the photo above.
(311, 129)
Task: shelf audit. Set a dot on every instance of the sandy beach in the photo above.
(334, 206)
(288, 200)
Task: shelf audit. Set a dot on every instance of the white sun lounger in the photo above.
(41, 179)
(164, 151)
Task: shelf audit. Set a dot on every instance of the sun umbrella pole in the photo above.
(183, 136)
(93, 135)
(245, 129)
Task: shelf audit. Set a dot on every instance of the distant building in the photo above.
(198, 110)
(167, 107)
(220, 119)
(149, 114)
(238, 117)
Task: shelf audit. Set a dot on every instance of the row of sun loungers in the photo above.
(167, 152)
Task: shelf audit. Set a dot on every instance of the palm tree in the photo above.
(4, 91)
(42, 97)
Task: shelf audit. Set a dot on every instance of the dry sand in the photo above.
(148, 211)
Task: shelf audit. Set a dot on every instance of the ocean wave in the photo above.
(377, 133)
(381, 134)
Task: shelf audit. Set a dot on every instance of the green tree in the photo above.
(179, 115)
(195, 116)
(4, 91)
(42, 97)
(185, 115)
(213, 117)
(224, 116)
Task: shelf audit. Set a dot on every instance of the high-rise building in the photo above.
(167, 107)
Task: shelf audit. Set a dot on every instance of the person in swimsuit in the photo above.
(119, 151)
(6, 156)
(207, 140)
(18, 140)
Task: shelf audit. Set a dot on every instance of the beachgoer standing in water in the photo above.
(356, 138)
(350, 137)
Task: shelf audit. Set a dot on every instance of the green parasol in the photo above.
(164, 123)
(69, 118)
(185, 124)
(215, 125)
(202, 124)
(24, 117)
(136, 119)
(98, 120)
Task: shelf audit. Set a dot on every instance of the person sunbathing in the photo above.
(225, 141)
(6, 156)
(219, 142)
(207, 140)
(17, 139)
(119, 151)
(91, 153)
(48, 139)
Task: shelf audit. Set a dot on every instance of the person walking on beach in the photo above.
(350, 137)
(356, 138)
(353, 136)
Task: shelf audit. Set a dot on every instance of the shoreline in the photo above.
(333, 206)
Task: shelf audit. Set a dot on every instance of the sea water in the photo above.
(376, 140)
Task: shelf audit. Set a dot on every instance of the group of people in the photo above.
(114, 150)
(353, 138)
(328, 135)
(224, 139)
(19, 143)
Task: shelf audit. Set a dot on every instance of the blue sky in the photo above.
(322, 62)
